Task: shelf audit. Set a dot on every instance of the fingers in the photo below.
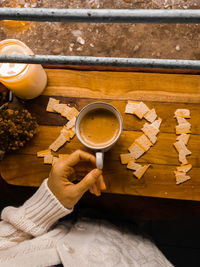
(102, 184)
(78, 156)
(88, 181)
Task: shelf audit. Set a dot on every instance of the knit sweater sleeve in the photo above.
(33, 218)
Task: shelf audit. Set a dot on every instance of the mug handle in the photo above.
(99, 159)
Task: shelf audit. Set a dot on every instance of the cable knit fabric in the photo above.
(27, 239)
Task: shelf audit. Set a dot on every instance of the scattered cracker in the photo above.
(141, 171)
(65, 111)
(66, 133)
(143, 142)
(141, 110)
(181, 177)
(59, 108)
(182, 157)
(184, 168)
(136, 150)
(43, 153)
(150, 129)
(132, 165)
(183, 128)
(48, 159)
(51, 103)
(72, 113)
(71, 133)
(131, 107)
(157, 123)
(71, 123)
(184, 113)
(181, 120)
(60, 141)
(184, 138)
(151, 115)
(63, 156)
(126, 157)
(181, 146)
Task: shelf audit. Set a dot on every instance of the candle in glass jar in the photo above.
(27, 81)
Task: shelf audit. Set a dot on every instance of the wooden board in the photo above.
(164, 92)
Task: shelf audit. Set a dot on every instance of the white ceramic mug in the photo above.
(99, 150)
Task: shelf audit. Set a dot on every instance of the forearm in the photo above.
(34, 218)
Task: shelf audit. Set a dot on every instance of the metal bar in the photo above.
(101, 15)
(103, 61)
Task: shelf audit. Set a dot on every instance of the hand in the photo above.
(63, 173)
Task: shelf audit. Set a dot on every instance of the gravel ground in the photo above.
(120, 40)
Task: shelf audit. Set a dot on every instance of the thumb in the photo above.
(88, 180)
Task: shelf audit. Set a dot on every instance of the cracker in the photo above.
(157, 123)
(184, 113)
(151, 115)
(131, 107)
(184, 138)
(182, 178)
(141, 110)
(72, 113)
(66, 111)
(60, 141)
(150, 129)
(66, 133)
(43, 153)
(55, 159)
(143, 142)
(132, 165)
(126, 157)
(136, 150)
(183, 128)
(71, 123)
(181, 146)
(59, 108)
(141, 171)
(181, 120)
(48, 159)
(51, 103)
(184, 168)
(182, 157)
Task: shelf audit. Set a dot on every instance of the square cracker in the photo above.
(132, 165)
(71, 123)
(131, 107)
(72, 113)
(151, 115)
(65, 111)
(126, 157)
(59, 108)
(181, 120)
(51, 103)
(184, 138)
(141, 171)
(183, 128)
(181, 179)
(179, 145)
(184, 168)
(60, 141)
(43, 153)
(157, 123)
(184, 113)
(143, 142)
(136, 150)
(141, 110)
(150, 129)
(182, 157)
(48, 159)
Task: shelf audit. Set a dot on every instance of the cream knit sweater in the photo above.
(30, 236)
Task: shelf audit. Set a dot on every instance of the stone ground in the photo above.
(117, 40)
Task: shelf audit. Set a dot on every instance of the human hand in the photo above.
(63, 173)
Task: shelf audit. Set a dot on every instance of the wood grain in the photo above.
(164, 92)
(124, 85)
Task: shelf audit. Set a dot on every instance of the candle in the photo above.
(27, 81)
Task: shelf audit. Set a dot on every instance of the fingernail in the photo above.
(97, 173)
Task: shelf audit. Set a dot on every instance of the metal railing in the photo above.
(102, 16)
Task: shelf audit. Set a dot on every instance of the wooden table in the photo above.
(162, 91)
